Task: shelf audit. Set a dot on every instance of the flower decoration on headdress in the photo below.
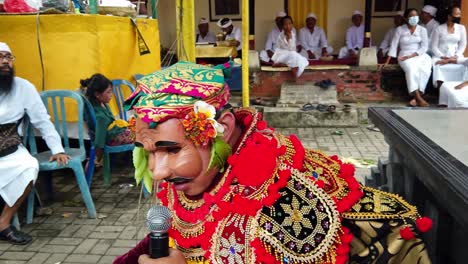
(200, 124)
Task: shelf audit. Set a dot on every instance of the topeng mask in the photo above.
(177, 133)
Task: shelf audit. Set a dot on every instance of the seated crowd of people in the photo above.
(421, 45)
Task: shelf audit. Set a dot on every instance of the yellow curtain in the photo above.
(185, 28)
(298, 10)
(76, 46)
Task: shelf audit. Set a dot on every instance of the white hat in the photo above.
(357, 13)
(311, 15)
(226, 24)
(4, 47)
(203, 21)
(400, 13)
(430, 10)
(281, 14)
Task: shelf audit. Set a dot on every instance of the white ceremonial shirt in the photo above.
(387, 41)
(409, 43)
(273, 37)
(209, 38)
(18, 169)
(445, 44)
(355, 37)
(313, 41)
(237, 35)
(430, 27)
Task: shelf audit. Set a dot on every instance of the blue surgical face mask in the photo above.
(413, 21)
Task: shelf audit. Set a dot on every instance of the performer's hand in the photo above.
(61, 158)
(175, 257)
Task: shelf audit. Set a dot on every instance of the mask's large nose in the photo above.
(159, 166)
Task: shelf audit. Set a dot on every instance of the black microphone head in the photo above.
(159, 219)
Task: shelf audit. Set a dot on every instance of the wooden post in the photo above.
(464, 18)
(367, 24)
(185, 28)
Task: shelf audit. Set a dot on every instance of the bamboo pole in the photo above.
(245, 54)
(185, 28)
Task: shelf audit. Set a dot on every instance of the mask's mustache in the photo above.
(178, 180)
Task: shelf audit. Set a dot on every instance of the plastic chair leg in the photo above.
(49, 185)
(30, 209)
(91, 166)
(15, 221)
(84, 188)
(107, 170)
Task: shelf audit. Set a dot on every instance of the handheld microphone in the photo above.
(158, 221)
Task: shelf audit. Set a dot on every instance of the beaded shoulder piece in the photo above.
(376, 204)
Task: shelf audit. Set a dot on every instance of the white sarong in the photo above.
(417, 72)
(17, 170)
(447, 72)
(451, 97)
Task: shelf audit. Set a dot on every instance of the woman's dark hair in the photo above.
(284, 19)
(97, 83)
(408, 11)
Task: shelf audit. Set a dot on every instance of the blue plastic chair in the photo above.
(91, 120)
(119, 96)
(78, 155)
(138, 76)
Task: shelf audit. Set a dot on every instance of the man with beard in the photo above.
(239, 192)
(18, 169)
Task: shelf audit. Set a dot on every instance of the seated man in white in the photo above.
(204, 35)
(448, 44)
(313, 40)
(231, 32)
(18, 169)
(398, 20)
(270, 45)
(286, 51)
(455, 94)
(354, 37)
(427, 18)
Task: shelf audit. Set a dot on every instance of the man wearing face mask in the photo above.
(428, 13)
(448, 45)
(239, 192)
(410, 44)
